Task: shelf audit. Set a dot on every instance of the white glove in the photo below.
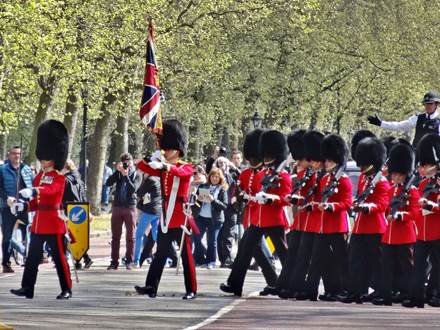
(260, 198)
(26, 193)
(17, 207)
(156, 165)
(156, 156)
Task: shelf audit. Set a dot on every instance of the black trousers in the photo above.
(250, 246)
(294, 240)
(423, 250)
(164, 250)
(396, 258)
(329, 258)
(56, 244)
(364, 262)
(298, 279)
(225, 238)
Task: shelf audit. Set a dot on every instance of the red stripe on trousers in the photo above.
(64, 261)
(191, 265)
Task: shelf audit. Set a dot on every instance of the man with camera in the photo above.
(127, 181)
(424, 123)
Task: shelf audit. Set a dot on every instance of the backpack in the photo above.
(74, 190)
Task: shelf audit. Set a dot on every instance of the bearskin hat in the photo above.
(174, 136)
(401, 159)
(334, 148)
(312, 145)
(358, 137)
(53, 143)
(370, 151)
(251, 149)
(273, 145)
(296, 144)
(426, 147)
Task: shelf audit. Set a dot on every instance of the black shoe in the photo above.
(382, 302)
(189, 296)
(269, 290)
(148, 290)
(328, 297)
(306, 296)
(66, 294)
(399, 297)
(88, 263)
(113, 266)
(229, 289)
(254, 266)
(23, 292)
(434, 302)
(371, 296)
(410, 303)
(78, 265)
(7, 268)
(350, 298)
(286, 294)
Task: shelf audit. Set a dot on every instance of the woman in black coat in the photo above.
(213, 201)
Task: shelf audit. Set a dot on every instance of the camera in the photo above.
(125, 166)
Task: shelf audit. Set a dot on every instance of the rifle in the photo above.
(191, 202)
(272, 180)
(397, 202)
(302, 182)
(312, 189)
(330, 189)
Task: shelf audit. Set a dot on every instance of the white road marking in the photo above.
(221, 312)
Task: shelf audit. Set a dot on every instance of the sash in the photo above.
(166, 218)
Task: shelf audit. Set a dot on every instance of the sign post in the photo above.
(79, 225)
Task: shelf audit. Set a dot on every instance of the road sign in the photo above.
(79, 225)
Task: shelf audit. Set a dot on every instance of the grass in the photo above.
(100, 223)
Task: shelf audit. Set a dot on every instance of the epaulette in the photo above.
(181, 162)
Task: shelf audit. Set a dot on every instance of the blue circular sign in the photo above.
(77, 215)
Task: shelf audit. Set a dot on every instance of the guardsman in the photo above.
(370, 222)
(269, 217)
(175, 183)
(45, 199)
(400, 235)
(428, 225)
(330, 245)
(312, 147)
(300, 186)
(424, 123)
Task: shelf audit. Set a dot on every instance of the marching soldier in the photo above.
(175, 183)
(400, 235)
(312, 147)
(45, 198)
(370, 222)
(424, 123)
(333, 201)
(428, 225)
(268, 218)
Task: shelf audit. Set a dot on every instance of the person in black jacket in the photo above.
(75, 191)
(214, 200)
(149, 206)
(127, 181)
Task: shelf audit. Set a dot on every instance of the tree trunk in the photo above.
(71, 115)
(44, 106)
(3, 145)
(121, 136)
(97, 152)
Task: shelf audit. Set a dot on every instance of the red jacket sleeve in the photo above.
(381, 197)
(344, 195)
(283, 190)
(413, 208)
(184, 171)
(144, 167)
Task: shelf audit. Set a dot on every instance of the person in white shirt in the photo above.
(424, 123)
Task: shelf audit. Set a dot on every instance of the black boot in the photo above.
(148, 290)
(229, 289)
(410, 303)
(65, 294)
(269, 290)
(328, 297)
(434, 302)
(382, 302)
(351, 298)
(189, 296)
(286, 294)
(24, 292)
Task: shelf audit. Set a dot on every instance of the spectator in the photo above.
(127, 181)
(74, 192)
(149, 205)
(237, 159)
(227, 232)
(105, 189)
(218, 152)
(14, 176)
(211, 216)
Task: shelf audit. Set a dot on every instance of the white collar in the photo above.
(433, 115)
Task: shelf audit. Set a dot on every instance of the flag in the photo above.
(150, 106)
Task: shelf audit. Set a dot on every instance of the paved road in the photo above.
(106, 299)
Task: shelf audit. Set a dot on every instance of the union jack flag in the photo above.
(150, 106)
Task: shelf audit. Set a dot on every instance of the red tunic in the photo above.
(403, 231)
(428, 226)
(375, 221)
(273, 214)
(184, 172)
(301, 215)
(49, 215)
(335, 221)
(250, 183)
